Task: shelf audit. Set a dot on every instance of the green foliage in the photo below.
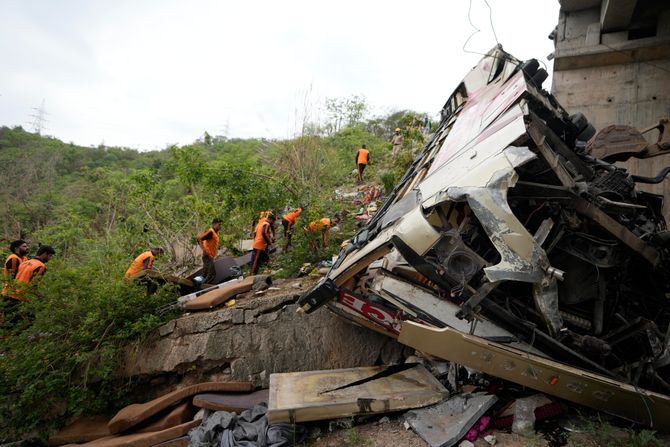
(101, 206)
(61, 357)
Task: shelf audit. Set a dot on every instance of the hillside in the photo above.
(99, 207)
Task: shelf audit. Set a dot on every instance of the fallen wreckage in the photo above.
(509, 248)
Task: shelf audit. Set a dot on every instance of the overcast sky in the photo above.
(144, 74)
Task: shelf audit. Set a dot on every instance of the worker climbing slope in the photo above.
(362, 160)
(317, 231)
(397, 140)
(262, 243)
(209, 243)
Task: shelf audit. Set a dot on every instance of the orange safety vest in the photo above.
(363, 156)
(292, 216)
(263, 228)
(210, 245)
(11, 268)
(319, 224)
(138, 264)
(28, 271)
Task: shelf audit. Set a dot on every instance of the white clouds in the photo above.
(145, 74)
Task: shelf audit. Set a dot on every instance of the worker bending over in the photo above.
(19, 250)
(288, 222)
(209, 243)
(262, 242)
(362, 160)
(318, 230)
(145, 261)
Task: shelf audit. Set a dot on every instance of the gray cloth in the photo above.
(249, 429)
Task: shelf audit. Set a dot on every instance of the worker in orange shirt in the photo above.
(19, 250)
(209, 243)
(262, 216)
(318, 231)
(32, 269)
(288, 222)
(144, 261)
(262, 242)
(362, 160)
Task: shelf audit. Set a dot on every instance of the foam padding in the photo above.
(133, 414)
(235, 403)
(145, 439)
(219, 296)
(84, 429)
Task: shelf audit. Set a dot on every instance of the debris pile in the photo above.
(508, 247)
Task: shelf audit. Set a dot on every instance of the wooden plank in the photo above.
(304, 396)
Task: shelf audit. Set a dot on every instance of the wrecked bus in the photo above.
(508, 247)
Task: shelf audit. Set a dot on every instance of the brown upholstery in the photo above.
(219, 296)
(180, 414)
(144, 439)
(136, 413)
(84, 429)
(229, 401)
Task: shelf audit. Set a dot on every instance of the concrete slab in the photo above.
(444, 424)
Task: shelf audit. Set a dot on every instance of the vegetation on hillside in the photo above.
(100, 207)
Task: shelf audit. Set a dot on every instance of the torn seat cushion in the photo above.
(84, 429)
(231, 402)
(133, 414)
(145, 439)
(216, 297)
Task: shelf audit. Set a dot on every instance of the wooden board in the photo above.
(304, 396)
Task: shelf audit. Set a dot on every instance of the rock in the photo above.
(391, 353)
(238, 316)
(166, 329)
(490, 439)
(384, 420)
(406, 425)
(199, 345)
(466, 443)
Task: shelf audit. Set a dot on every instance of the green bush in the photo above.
(60, 359)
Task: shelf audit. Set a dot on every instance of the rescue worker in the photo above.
(397, 140)
(362, 160)
(209, 243)
(31, 269)
(19, 250)
(262, 242)
(288, 222)
(318, 230)
(144, 261)
(261, 218)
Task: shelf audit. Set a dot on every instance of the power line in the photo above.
(476, 30)
(39, 118)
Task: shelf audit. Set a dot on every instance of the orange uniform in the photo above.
(263, 236)
(28, 271)
(144, 261)
(210, 242)
(363, 156)
(11, 269)
(292, 216)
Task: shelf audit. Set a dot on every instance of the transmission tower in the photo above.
(39, 119)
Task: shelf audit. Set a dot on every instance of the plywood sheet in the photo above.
(305, 396)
